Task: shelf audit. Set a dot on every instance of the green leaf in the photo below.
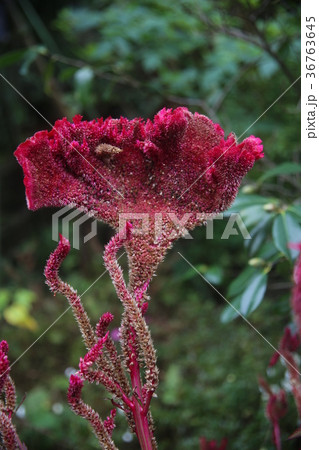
(30, 56)
(4, 298)
(268, 251)
(254, 293)
(229, 312)
(38, 407)
(258, 235)
(214, 274)
(244, 201)
(172, 383)
(238, 285)
(296, 210)
(286, 168)
(267, 66)
(18, 316)
(253, 214)
(83, 76)
(184, 276)
(24, 297)
(286, 230)
(10, 58)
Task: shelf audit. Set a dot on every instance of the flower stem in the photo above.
(143, 432)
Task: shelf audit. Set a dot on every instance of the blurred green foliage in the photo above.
(230, 61)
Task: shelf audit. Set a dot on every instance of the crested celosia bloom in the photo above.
(175, 171)
(176, 164)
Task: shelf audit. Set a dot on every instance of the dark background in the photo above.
(229, 61)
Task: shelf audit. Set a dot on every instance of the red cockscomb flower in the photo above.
(176, 164)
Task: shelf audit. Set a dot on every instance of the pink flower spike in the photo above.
(144, 308)
(54, 262)
(274, 359)
(4, 347)
(277, 406)
(109, 423)
(275, 410)
(75, 389)
(93, 354)
(103, 323)
(139, 293)
(289, 342)
(4, 370)
(4, 364)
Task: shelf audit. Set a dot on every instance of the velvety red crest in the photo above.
(116, 165)
(176, 164)
(46, 181)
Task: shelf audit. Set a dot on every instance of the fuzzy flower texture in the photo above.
(175, 170)
(171, 174)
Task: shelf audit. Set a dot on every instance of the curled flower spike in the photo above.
(83, 410)
(115, 169)
(56, 285)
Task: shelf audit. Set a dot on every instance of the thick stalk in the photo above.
(143, 432)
